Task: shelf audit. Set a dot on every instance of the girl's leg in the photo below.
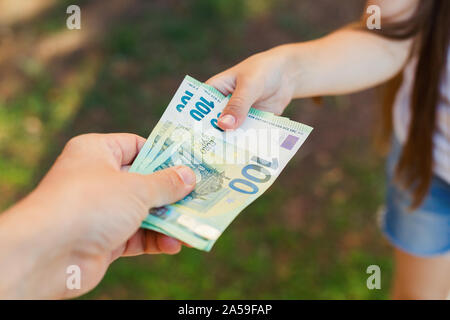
(421, 278)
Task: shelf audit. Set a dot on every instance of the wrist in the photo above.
(30, 252)
(299, 66)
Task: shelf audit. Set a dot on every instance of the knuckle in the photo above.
(213, 80)
(167, 183)
(161, 185)
(245, 81)
(73, 142)
(236, 105)
(174, 179)
(77, 141)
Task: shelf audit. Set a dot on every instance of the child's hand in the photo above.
(340, 63)
(85, 212)
(261, 81)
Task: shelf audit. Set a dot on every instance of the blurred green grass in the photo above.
(311, 236)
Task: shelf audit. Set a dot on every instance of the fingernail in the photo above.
(227, 120)
(187, 175)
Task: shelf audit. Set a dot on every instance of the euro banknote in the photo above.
(232, 168)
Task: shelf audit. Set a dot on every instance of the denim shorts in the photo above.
(424, 231)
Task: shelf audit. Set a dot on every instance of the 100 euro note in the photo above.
(232, 168)
(183, 95)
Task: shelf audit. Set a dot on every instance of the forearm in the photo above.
(345, 61)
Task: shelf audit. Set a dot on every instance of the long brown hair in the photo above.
(430, 25)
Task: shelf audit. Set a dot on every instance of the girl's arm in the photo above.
(345, 61)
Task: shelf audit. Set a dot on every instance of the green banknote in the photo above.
(232, 168)
(183, 95)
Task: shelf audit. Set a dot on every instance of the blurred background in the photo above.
(311, 235)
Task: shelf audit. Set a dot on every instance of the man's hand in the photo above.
(86, 212)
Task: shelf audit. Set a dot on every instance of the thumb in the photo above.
(235, 113)
(167, 186)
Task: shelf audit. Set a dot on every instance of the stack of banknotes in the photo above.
(232, 168)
